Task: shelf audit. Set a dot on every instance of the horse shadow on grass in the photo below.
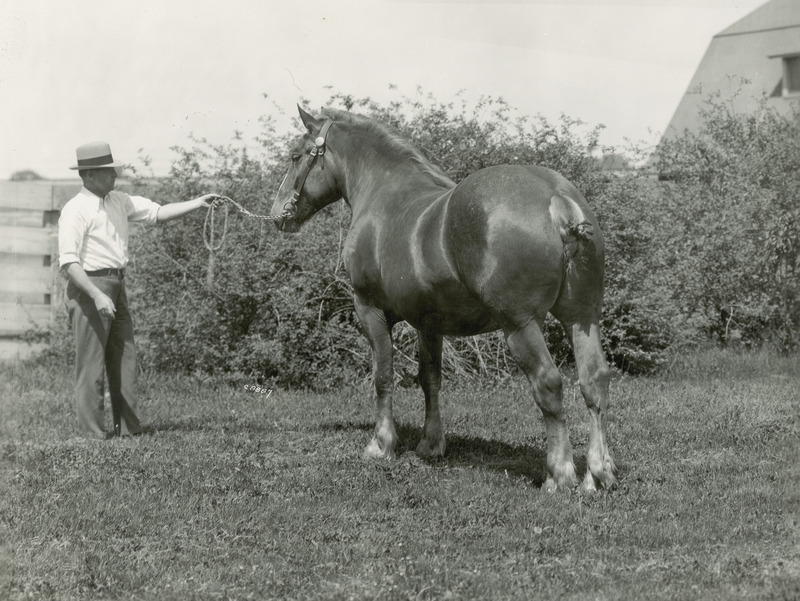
(518, 461)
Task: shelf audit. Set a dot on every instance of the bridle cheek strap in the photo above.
(317, 151)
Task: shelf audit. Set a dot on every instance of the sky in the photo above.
(147, 76)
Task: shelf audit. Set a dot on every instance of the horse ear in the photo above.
(312, 124)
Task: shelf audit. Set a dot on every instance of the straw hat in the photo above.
(94, 155)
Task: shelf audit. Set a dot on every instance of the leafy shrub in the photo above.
(734, 225)
(278, 309)
(709, 254)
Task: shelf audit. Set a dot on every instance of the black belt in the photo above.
(108, 271)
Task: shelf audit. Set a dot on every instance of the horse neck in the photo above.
(371, 172)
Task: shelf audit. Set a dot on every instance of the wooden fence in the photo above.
(31, 292)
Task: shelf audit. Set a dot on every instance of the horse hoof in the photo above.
(603, 479)
(608, 480)
(427, 450)
(377, 451)
(606, 476)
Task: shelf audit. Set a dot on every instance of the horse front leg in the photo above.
(378, 330)
(432, 443)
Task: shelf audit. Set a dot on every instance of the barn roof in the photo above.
(744, 63)
(778, 14)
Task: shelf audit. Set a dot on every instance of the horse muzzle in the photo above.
(285, 220)
(287, 224)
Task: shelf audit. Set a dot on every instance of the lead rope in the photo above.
(211, 240)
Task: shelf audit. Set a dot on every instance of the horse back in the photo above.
(469, 259)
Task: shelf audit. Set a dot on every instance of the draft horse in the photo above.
(500, 250)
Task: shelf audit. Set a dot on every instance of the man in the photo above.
(93, 254)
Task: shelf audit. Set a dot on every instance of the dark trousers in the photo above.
(104, 345)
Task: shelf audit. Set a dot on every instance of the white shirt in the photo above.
(93, 231)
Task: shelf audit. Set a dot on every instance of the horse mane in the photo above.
(394, 141)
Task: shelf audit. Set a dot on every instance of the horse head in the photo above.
(310, 183)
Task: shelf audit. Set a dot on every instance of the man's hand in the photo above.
(211, 200)
(105, 306)
(173, 210)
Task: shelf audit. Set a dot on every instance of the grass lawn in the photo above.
(233, 494)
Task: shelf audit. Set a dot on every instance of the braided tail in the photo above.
(575, 237)
(576, 231)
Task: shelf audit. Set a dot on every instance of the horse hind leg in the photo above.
(528, 347)
(594, 376)
(432, 443)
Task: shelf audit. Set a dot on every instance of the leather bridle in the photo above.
(317, 152)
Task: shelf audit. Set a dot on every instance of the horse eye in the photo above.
(295, 157)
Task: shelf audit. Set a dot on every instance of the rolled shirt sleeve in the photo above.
(142, 210)
(71, 235)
